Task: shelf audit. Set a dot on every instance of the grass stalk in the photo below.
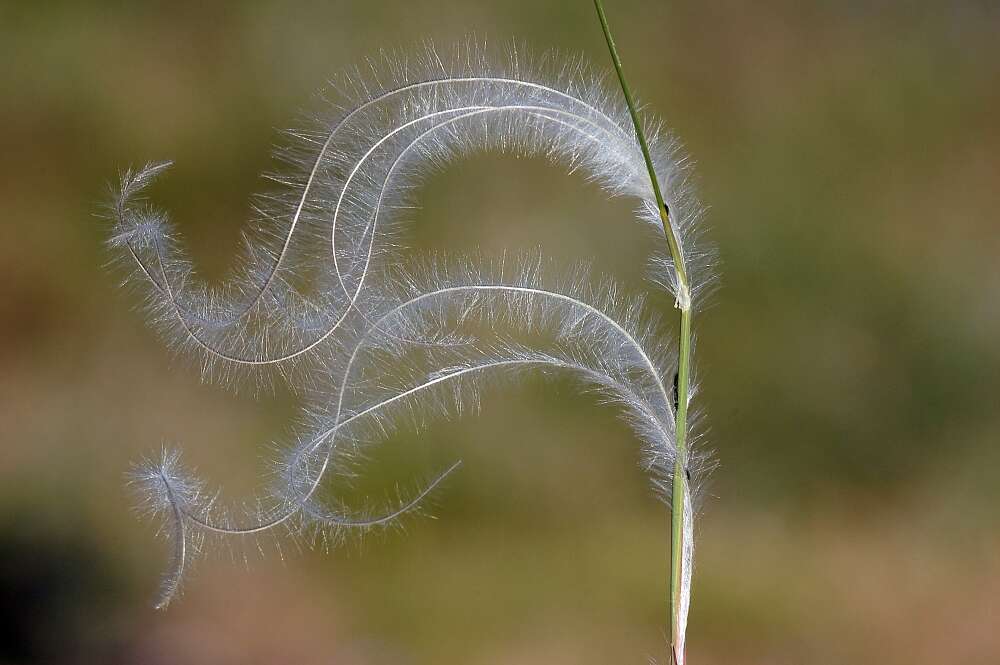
(678, 503)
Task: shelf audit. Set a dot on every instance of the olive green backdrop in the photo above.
(850, 363)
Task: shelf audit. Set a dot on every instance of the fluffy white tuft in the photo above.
(320, 299)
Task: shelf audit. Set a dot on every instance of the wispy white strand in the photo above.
(552, 125)
(318, 300)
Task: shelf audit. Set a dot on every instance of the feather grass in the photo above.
(322, 301)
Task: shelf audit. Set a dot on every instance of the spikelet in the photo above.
(320, 299)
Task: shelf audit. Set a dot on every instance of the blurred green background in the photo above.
(850, 363)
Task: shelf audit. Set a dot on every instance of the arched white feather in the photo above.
(318, 293)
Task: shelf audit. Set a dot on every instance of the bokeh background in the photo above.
(850, 363)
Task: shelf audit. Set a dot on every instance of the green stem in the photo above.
(668, 230)
(677, 501)
(680, 481)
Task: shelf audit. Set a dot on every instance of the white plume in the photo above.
(321, 300)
